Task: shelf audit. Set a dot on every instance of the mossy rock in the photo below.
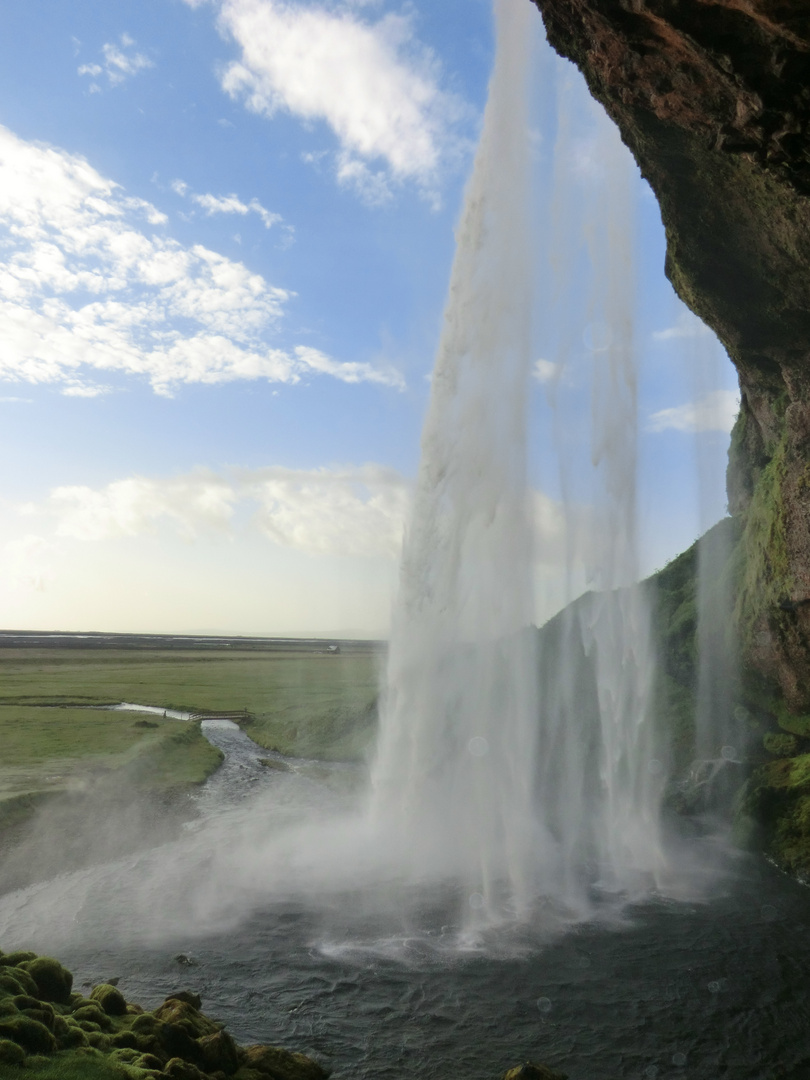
(93, 1014)
(53, 982)
(185, 1015)
(19, 977)
(110, 999)
(30, 1034)
(11, 1053)
(282, 1064)
(177, 1069)
(531, 1071)
(780, 744)
(13, 959)
(219, 1053)
(188, 996)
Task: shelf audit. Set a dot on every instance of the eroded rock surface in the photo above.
(713, 99)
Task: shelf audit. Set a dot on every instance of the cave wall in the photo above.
(713, 99)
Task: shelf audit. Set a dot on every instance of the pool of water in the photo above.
(380, 984)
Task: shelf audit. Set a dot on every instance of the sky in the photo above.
(227, 231)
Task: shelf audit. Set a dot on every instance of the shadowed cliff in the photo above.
(713, 99)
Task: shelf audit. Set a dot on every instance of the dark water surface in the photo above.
(670, 989)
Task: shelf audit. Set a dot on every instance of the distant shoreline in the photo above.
(43, 639)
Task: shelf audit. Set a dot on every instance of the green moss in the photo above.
(110, 999)
(53, 982)
(780, 744)
(766, 577)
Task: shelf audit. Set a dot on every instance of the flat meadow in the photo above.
(54, 737)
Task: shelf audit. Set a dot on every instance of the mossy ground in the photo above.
(49, 1033)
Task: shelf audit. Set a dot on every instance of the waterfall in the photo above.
(454, 768)
(487, 772)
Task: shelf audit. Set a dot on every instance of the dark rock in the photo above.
(219, 1053)
(713, 101)
(530, 1071)
(188, 996)
(282, 1064)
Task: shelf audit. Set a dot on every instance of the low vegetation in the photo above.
(48, 1032)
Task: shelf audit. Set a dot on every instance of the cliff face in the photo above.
(713, 99)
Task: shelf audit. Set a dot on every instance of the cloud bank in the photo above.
(91, 284)
(715, 411)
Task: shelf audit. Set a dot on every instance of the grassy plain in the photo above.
(306, 703)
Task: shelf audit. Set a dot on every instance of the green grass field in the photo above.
(306, 704)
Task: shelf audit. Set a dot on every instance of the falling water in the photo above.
(454, 768)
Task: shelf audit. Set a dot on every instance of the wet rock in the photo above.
(282, 1064)
(110, 999)
(219, 1053)
(188, 996)
(185, 1015)
(531, 1071)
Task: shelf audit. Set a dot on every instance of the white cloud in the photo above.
(359, 511)
(232, 204)
(687, 326)
(119, 63)
(356, 511)
(89, 286)
(339, 510)
(715, 411)
(132, 506)
(372, 83)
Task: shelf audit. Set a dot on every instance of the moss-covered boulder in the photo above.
(219, 1053)
(11, 1053)
(30, 1034)
(774, 813)
(53, 982)
(110, 999)
(282, 1064)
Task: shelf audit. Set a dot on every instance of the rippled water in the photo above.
(662, 989)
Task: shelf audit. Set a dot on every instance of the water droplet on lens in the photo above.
(729, 753)
(476, 901)
(584, 961)
(714, 987)
(478, 746)
(679, 1059)
(544, 1004)
(656, 767)
(651, 1070)
(769, 912)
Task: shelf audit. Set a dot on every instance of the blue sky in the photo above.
(227, 230)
